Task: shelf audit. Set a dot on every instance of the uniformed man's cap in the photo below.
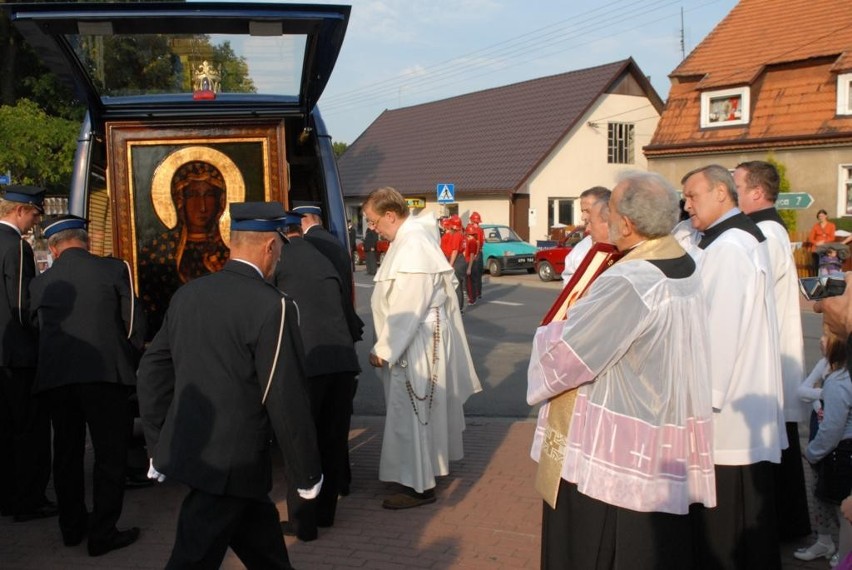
(62, 223)
(293, 218)
(308, 208)
(257, 216)
(32, 195)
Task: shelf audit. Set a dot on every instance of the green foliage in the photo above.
(339, 148)
(789, 216)
(37, 148)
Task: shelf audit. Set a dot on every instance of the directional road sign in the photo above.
(794, 201)
(446, 193)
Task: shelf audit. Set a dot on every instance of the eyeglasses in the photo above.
(373, 223)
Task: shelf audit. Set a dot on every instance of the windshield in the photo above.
(500, 234)
(156, 64)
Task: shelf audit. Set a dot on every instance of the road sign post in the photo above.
(794, 201)
(446, 193)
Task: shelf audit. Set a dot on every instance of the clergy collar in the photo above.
(769, 214)
(736, 221)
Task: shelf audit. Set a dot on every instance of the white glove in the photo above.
(154, 474)
(311, 493)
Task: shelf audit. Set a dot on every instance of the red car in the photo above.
(381, 248)
(550, 262)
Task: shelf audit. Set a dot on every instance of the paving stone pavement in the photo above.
(487, 516)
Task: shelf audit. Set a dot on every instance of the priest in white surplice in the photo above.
(421, 352)
(748, 425)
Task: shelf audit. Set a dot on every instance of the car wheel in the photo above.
(545, 271)
(494, 267)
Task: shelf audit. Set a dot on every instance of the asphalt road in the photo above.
(500, 329)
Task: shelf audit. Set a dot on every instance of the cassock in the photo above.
(419, 333)
(790, 495)
(748, 430)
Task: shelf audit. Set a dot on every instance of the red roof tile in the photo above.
(484, 142)
(789, 53)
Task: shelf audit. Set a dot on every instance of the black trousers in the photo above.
(24, 442)
(460, 269)
(474, 279)
(102, 407)
(741, 532)
(372, 261)
(331, 408)
(588, 534)
(209, 524)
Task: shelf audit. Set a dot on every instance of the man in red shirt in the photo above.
(452, 244)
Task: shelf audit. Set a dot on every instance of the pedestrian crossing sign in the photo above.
(446, 193)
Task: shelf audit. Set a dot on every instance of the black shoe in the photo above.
(288, 528)
(120, 539)
(137, 481)
(73, 539)
(41, 512)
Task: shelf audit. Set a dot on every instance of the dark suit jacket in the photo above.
(202, 380)
(83, 307)
(330, 246)
(18, 348)
(310, 279)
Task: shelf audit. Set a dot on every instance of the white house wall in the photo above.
(580, 160)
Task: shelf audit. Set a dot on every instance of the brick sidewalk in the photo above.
(487, 517)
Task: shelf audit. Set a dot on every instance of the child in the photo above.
(830, 262)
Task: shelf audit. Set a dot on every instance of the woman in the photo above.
(830, 451)
(421, 352)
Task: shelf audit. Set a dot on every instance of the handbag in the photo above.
(834, 474)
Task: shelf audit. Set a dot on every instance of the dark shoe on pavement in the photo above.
(289, 529)
(73, 539)
(409, 500)
(42, 512)
(120, 539)
(137, 481)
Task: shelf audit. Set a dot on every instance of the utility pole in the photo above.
(682, 38)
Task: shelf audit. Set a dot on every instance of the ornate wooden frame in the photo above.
(250, 151)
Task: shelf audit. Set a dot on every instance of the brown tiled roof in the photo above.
(757, 33)
(487, 142)
(789, 52)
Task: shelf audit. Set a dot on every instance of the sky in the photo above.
(399, 53)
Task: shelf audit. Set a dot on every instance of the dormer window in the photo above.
(725, 107)
(844, 94)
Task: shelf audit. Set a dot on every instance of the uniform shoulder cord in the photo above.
(277, 350)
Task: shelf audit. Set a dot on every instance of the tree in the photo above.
(37, 148)
(789, 216)
(339, 148)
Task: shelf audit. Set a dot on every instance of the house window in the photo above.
(846, 187)
(560, 211)
(726, 107)
(620, 143)
(844, 94)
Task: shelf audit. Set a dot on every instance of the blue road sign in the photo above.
(5, 179)
(446, 193)
(794, 201)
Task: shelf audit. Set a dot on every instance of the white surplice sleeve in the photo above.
(569, 353)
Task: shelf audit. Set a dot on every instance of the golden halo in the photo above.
(161, 184)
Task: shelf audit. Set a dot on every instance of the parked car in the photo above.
(381, 249)
(175, 92)
(550, 262)
(505, 251)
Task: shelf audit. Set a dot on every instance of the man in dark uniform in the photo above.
(331, 365)
(330, 246)
(24, 425)
(224, 373)
(371, 242)
(90, 338)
